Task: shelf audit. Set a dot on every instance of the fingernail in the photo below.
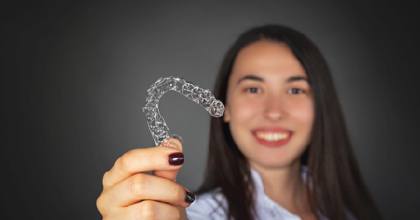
(189, 197)
(176, 158)
(177, 137)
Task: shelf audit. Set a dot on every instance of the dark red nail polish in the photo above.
(189, 197)
(176, 158)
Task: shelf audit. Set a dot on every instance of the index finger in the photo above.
(143, 160)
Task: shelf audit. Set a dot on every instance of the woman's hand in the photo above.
(131, 191)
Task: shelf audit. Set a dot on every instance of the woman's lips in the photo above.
(272, 137)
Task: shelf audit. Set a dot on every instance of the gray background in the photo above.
(73, 81)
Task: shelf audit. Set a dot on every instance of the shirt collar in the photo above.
(265, 201)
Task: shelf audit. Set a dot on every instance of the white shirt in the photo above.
(206, 206)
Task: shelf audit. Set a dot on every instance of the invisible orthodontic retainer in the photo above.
(157, 125)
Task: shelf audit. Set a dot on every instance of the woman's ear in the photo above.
(226, 115)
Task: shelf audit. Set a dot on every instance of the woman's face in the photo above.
(269, 105)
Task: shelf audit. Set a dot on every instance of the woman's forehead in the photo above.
(266, 59)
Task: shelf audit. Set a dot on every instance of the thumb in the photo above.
(175, 143)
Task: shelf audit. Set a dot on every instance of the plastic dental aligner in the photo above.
(157, 125)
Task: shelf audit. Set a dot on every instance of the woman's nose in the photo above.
(275, 108)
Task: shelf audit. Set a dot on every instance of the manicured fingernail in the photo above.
(189, 197)
(176, 158)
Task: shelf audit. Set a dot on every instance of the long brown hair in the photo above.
(337, 185)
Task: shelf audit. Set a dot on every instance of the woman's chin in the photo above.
(271, 163)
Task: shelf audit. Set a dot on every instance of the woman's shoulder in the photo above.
(208, 205)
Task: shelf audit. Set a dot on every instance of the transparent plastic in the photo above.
(156, 123)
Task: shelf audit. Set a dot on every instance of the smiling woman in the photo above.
(281, 150)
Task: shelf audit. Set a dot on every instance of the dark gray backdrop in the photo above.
(73, 81)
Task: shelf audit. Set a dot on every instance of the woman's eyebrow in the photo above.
(250, 77)
(296, 78)
(260, 79)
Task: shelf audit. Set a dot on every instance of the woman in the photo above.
(281, 151)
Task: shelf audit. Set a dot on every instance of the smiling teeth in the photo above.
(272, 136)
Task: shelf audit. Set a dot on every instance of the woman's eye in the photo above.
(296, 91)
(253, 90)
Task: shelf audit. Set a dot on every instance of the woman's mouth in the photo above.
(273, 137)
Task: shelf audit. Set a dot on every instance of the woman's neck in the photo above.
(285, 186)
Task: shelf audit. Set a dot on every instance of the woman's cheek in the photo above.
(245, 108)
(304, 112)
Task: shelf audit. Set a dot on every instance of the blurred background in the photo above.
(74, 79)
